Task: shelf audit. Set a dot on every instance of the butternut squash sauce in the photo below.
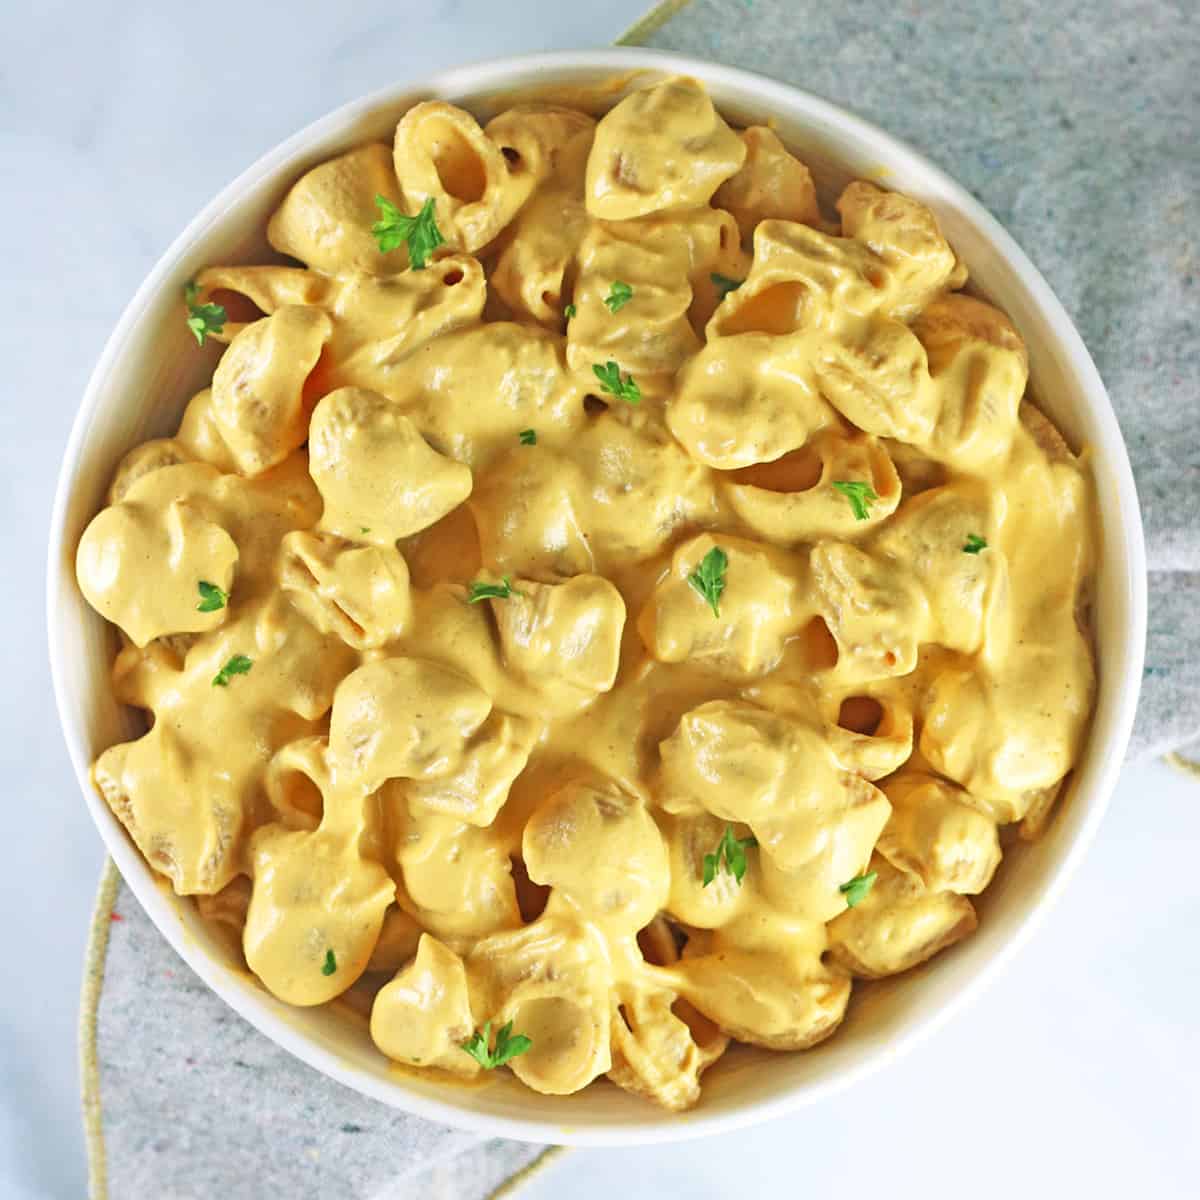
(513, 810)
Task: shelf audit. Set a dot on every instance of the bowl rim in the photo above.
(491, 74)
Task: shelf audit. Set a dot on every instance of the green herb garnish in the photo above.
(528, 437)
(611, 382)
(974, 544)
(570, 311)
(239, 664)
(618, 296)
(420, 232)
(730, 856)
(709, 577)
(857, 888)
(724, 284)
(492, 591)
(330, 964)
(211, 597)
(508, 1046)
(203, 319)
(860, 496)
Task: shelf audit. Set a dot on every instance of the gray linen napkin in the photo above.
(186, 1101)
(1074, 124)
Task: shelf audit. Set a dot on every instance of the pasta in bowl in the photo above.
(603, 604)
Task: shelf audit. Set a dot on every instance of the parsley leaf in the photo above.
(611, 382)
(857, 888)
(508, 1046)
(203, 319)
(860, 496)
(974, 544)
(570, 311)
(420, 232)
(239, 664)
(211, 597)
(618, 296)
(330, 964)
(492, 591)
(730, 855)
(709, 577)
(528, 437)
(724, 284)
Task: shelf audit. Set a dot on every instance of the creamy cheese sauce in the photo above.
(779, 624)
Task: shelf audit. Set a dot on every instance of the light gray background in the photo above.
(1077, 1074)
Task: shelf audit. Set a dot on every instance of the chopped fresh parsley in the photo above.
(570, 311)
(508, 1046)
(203, 319)
(330, 963)
(239, 664)
(364, 529)
(857, 888)
(724, 284)
(211, 597)
(612, 382)
(974, 544)
(420, 232)
(729, 856)
(528, 437)
(860, 496)
(618, 296)
(709, 577)
(491, 591)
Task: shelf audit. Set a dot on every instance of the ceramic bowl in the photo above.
(151, 366)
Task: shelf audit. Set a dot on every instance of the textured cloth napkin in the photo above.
(1074, 124)
(183, 1100)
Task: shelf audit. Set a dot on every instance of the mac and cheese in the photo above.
(602, 607)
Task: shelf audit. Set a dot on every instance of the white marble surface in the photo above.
(1076, 1074)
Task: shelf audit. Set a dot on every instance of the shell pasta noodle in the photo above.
(608, 605)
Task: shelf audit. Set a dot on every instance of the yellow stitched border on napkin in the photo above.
(525, 1174)
(1186, 765)
(651, 22)
(89, 1004)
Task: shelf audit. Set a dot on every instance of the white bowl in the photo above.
(151, 366)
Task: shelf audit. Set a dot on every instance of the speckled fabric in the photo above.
(1074, 124)
(195, 1104)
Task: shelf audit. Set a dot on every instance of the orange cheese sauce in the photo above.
(644, 707)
